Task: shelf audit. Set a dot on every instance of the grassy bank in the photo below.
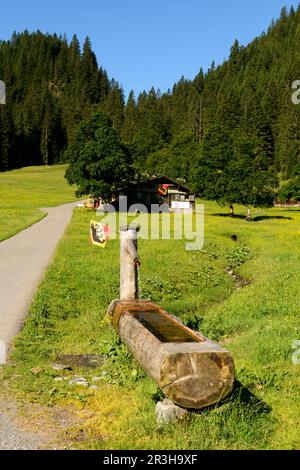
(26, 190)
(255, 315)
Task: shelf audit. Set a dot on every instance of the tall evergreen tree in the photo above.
(89, 73)
(113, 105)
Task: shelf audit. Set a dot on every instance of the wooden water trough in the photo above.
(192, 371)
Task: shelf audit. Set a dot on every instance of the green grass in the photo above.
(257, 323)
(25, 191)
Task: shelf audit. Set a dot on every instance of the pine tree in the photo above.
(130, 124)
(89, 73)
(113, 105)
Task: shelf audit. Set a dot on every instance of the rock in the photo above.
(79, 381)
(36, 370)
(96, 379)
(81, 360)
(230, 272)
(58, 379)
(166, 412)
(94, 387)
(104, 373)
(60, 367)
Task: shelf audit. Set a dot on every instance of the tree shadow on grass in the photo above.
(255, 219)
(230, 216)
(270, 217)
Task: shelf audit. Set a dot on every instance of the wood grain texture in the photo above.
(191, 374)
(128, 266)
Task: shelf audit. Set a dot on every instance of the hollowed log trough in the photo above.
(192, 371)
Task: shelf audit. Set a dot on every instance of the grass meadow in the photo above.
(244, 294)
(25, 191)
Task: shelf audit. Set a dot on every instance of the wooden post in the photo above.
(248, 215)
(129, 263)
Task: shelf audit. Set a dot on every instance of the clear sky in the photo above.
(144, 43)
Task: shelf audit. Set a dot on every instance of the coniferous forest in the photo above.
(242, 106)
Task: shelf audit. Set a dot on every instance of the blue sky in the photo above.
(144, 43)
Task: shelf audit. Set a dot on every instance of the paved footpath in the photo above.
(23, 260)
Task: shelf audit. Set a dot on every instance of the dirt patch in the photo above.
(81, 360)
(239, 281)
(30, 426)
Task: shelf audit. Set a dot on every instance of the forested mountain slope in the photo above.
(52, 85)
(248, 96)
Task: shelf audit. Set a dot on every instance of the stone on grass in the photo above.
(166, 412)
(79, 381)
(60, 367)
(36, 370)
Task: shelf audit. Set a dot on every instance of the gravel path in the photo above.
(29, 426)
(12, 436)
(23, 260)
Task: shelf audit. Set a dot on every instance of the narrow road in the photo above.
(23, 260)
